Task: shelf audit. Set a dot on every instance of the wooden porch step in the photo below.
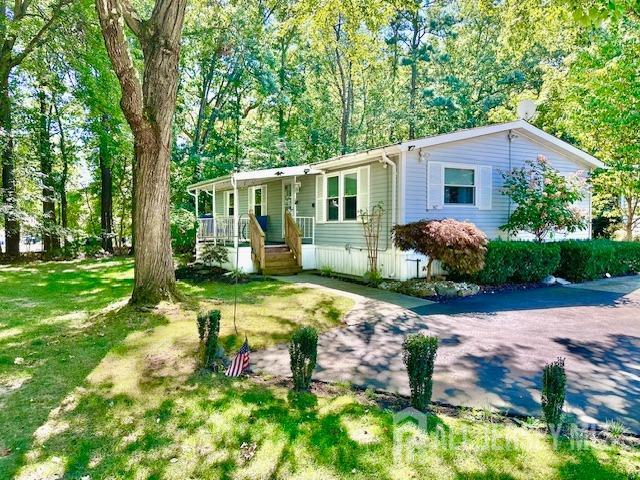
(279, 260)
(288, 270)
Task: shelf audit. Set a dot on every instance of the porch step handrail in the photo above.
(293, 237)
(257, 242)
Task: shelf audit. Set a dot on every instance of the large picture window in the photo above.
(459, 186)
(333, 198)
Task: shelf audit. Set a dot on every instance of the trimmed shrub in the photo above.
(419, 356)
(591, 259)
(214, 254)
(460, 245)
(554, 386)
(514, 262)
(208, 331)
(303, 351)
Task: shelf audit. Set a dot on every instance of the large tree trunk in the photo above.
(11, 224)
(64, 154)
(106, 192)
(149, 110)
(49, 237)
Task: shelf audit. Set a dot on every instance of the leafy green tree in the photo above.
(544, 200)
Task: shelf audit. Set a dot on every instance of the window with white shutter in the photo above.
(363, 189)
(485, 187)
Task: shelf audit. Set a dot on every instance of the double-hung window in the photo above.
(333, 198)
(230, 202)
(350, 196)
(459, 186)
(341, 195)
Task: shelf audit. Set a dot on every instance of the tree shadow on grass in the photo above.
(58, 361)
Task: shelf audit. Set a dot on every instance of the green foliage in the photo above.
(214, 253)
(544, 200)
(183, 230)
(236, 275)
(326, 271)
(419, 356)
(515, 262)
(554, 386)
(591, 259)
(372, 278)
(460, 245)
(208, 331)
(303, 350)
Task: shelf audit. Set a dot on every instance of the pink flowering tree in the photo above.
(545, 200)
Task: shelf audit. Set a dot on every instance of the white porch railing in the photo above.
(306, 225)
(220, 228)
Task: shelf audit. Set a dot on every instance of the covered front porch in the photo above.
(270, 213)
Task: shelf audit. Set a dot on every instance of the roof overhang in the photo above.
(255, 176)
(520, 126)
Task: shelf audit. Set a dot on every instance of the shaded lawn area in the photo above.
(58, 321)
(110, 392)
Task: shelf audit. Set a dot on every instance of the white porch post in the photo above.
(294, 195)
(236, 204)
(197, 193)
(213, 214)
(197, 216)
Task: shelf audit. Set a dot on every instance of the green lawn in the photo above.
(109, 392)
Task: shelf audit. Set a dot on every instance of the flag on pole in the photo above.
(240, 363)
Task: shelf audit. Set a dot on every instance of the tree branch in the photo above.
(132, 19)
(111, 22)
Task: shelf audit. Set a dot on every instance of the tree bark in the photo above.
(149, 110)
(64, 154)
(49, 237)
(11, 223)
(106, 191)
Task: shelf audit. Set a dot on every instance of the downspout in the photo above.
(510, 137)
(394, 185)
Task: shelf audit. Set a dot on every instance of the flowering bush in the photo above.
(544, 199)
(458, 244)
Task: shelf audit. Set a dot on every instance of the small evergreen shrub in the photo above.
(214, 254)
(592, 259)
(514, 262)
(554, 385)
(208, 331)
(303, 351)
(419, 356)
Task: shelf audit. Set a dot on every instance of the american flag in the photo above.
(240, 362)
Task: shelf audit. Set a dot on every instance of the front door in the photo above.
(288, 200)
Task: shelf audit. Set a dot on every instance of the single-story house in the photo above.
(282, 220)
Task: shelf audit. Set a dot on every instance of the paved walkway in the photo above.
(492, 347)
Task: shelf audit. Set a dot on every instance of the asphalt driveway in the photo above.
(492, 348)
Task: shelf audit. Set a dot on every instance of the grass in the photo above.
(109, 392)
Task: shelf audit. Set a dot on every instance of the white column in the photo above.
(213, 213)
(197, 193)
(236, 204)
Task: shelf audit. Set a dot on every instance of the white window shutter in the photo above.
(264, 199)
(435, 186)
(363, 190)
(320, 201)
(484, 188)
(252, 197)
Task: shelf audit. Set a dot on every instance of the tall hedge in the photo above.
(591, 259)
(514, 262)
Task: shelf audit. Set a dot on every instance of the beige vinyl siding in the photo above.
(492, 150)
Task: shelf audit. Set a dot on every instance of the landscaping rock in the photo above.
(562, 281)
(549, 280)
(447, 289)
(467, 289)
